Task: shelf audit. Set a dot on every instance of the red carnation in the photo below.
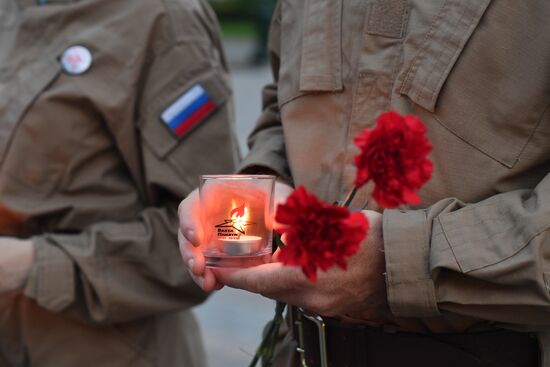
(394, 155)
(318, 235)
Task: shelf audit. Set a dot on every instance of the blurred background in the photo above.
(232, 320)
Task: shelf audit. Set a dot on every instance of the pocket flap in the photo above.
(452, 29)
(484, 234)
(488, 88)
(321, 65)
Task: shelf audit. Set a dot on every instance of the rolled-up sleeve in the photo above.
(52, 277)
(487, 260)
(410, 286)
(113, 272)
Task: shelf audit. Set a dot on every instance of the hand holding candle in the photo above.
(237, 217)
(191, 235)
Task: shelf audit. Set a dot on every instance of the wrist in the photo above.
(17, 257)
(26, 260)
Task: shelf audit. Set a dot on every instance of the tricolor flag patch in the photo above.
(189, 110)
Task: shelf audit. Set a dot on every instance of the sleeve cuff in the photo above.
(270, 157)
(250, 165)
(411, 291)
(51, 279)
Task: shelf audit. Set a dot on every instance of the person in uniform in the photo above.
(463, 279)
(109, 111)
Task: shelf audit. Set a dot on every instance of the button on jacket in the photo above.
(91, 173)
(475, 255)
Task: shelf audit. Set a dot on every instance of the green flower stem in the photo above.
(350, 197)
(266, 349)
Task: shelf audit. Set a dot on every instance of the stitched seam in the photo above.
(411, 73)
(426, 248)
(533, 131)
(354, 110)
(450, 247)
(404, 19)
(336, 59)
(523, 147)
(305, 40)
(416, 281)
(301, 94)
(512, 254)
(443, 58)
(388, 270)
(13, 129)
(423, 91)
(471, 144)
(461, 43)
(102, 265)
(367, 10)
(395, 72)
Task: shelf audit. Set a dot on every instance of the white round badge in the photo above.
(76, 60)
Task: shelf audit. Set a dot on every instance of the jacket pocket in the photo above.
(483, 73)
(311, 48)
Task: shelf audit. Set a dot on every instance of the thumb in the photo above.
(189, 212)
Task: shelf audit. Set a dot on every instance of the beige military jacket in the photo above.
(90, 172)
(476, 254)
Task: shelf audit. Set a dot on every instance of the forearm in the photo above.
(485, 260)
(113, 272)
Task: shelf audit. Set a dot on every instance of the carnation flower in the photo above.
(394, 155)
(318, 235)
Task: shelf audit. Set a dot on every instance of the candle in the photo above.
(242, 245)
(237, 212)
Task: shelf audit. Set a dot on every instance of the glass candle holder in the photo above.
(237, 217)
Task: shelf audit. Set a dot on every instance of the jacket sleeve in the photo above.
(488, 260)
(266, 142)
(119, 271)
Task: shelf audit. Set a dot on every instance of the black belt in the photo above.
(325, 342)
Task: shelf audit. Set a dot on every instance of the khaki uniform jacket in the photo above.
(90, 172)
(476, 254)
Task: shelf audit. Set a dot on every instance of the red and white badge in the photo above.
(76, 60)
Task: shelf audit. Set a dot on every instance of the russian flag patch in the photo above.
(189, 110)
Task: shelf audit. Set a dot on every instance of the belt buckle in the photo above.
(321, 327)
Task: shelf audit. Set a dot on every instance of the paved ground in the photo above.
(232, 320)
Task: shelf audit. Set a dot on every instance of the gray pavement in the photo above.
(232, 320)
(247, 85)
